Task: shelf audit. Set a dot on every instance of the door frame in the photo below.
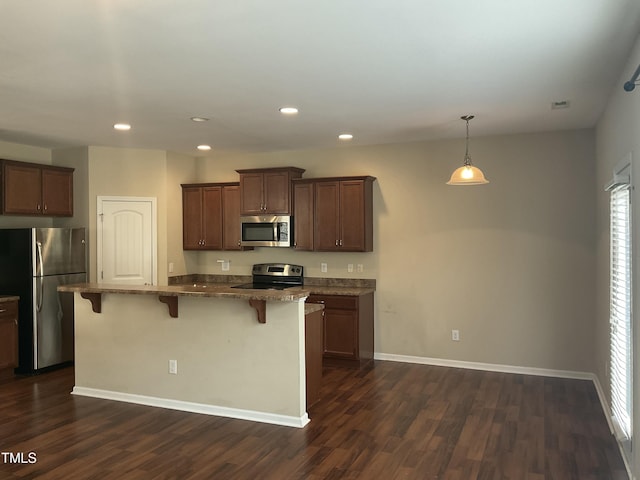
(154, 231)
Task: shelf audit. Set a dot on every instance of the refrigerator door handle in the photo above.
(39, 302)
(39, 245)
(41, 292)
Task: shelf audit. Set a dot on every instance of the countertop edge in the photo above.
(206, 291)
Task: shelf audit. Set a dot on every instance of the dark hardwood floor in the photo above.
(392, 421)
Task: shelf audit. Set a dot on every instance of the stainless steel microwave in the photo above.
(266, 231)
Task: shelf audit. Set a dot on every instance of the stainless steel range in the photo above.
(274, 276)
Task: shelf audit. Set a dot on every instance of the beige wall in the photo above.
(511, 264)
(129, 172)
(617, 136)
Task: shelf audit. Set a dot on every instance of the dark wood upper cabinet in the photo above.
(34, 189)
(57, 192)
(192, 204)
(327, 216)
(267, 190)
(343, 214)
(231, 217)
(303, 206)
(211, 216)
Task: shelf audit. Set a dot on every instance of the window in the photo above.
(620, 316)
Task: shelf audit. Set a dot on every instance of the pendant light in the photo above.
(467, 174)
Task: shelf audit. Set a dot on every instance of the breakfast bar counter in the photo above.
(169, 294)
(194, 347)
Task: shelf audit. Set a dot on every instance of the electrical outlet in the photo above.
(360, 268)
(350, 267)
(323, 267)
(455, 335)
(173, 367)
(170, 267)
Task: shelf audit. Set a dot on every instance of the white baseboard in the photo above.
(490, 367)
(254, 416)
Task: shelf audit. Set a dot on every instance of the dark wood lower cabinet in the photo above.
(8, 337)
(348, 329)
(313, 355)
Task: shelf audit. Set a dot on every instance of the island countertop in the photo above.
(222, 290)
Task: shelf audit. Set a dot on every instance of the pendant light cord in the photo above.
(467, 157)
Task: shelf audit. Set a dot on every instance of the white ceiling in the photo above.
(385, 70)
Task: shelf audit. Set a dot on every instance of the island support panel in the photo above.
(228, 364)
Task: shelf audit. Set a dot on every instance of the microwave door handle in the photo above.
(276, 231)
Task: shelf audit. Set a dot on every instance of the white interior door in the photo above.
(126, 240)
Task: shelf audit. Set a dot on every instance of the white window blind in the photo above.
(620, 311)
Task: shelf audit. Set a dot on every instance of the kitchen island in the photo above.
(235, 353)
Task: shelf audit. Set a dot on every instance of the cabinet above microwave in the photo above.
(267, 190)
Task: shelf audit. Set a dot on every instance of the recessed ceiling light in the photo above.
(289, 110)
(204, 147)
(345, 136)
(122, 126)
(560, 104)
(199, 119)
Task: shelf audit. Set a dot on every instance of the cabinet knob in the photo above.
(38, 207)
(45, 207)
(238, 242)
(340, 242)
(336, 243)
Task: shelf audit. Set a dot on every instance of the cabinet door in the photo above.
(192, 218)
(212, 218)
(341, 333)
(352, 227)
(8, 335)
(22, 189)
(231, 218)
(252, 199)
(326, 228)
(303, 216)
(277, 193)
(57, 192)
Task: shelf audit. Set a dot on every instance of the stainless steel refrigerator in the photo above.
(33, 262)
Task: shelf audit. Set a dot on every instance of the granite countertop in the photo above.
(312, 308)
(312, 285)
(333, 290)
(9, 298)
(221, 286)
(220, 290)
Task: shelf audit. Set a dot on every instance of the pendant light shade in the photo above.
(467, 174)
